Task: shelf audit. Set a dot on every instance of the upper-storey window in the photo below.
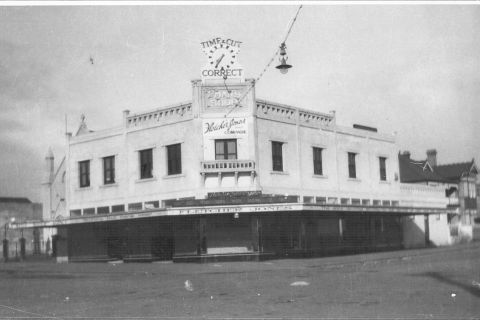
(84, 173)
(225, 149)
(383, 168)
(174, 159)
(277, 156)
(109, 170)
(317, 161)
(146, 164)
(352, 170)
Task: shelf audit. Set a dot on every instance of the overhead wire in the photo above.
(237, 104)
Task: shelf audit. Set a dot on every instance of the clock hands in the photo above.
(219, 60)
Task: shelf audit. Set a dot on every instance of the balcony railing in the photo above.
(228, 166)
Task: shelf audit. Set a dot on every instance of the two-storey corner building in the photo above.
(227, 175)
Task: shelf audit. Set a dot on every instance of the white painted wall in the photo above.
(414, 231)
(298, 130)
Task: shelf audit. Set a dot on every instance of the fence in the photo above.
(32, 248)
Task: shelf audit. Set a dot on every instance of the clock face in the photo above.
(221, 56)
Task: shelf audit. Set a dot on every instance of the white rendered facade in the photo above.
(261, 122)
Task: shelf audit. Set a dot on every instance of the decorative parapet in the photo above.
(160, 116)
(227, 166)
(416, 194)
(422, 189)
(289, 114)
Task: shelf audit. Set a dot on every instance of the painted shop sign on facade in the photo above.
(225, 126)
(222, 97)
(243, 209)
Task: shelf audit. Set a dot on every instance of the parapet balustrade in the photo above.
(168, 114)
(419, 189)
(228, 166)
(221, 167)
(266, 109)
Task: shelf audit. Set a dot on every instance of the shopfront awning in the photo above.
(232, 209)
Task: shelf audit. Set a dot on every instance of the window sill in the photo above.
(319, 176)
(173, 176)
(282, 173)
(146, 180)
(84, 188)
(384, 182)
(109, 185)
(354, 179)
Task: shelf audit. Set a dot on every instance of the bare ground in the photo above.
(442, 283)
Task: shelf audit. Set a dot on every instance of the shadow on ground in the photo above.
(448, 279)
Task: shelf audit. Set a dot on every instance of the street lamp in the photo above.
(283, 66)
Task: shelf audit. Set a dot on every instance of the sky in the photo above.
(409, 69)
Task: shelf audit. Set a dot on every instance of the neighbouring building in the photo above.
(459, 182)
(228, 175)
(19, 210)
(53, 193)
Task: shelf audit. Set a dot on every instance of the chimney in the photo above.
(432, 157)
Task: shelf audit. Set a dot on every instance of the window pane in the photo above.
(84, 173)
(351, 165)
(277, 157)
(109, 170)
(146, 164)
(231, 146)
(317, 161)
(219, 150)
(383, 170)
(174, 157)
(225, 149)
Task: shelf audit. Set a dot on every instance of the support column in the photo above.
(427, 231)
(252, 178)
(256, 225)
(22, 248)
(202, 236)
(219, 179)
(5, 250)
(303, 242)
(61, 245)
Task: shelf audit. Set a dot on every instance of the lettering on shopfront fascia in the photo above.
(234, 210)
(227, 126)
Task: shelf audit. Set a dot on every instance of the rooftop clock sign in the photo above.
(222, 63)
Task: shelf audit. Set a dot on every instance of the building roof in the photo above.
(455, 171)
(416, 171)
(421, 171)
(14, 199)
